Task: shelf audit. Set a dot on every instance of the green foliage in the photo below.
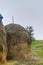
(30, 32)
(33, 39)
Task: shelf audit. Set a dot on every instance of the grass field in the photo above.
(38, 46)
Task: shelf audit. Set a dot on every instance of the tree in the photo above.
(30, 30)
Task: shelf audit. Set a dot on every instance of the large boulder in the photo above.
(18, 42)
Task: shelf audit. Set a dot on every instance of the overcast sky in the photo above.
(25, 12)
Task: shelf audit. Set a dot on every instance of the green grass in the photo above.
(39, 50)
(39, 64)
(37, 43)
